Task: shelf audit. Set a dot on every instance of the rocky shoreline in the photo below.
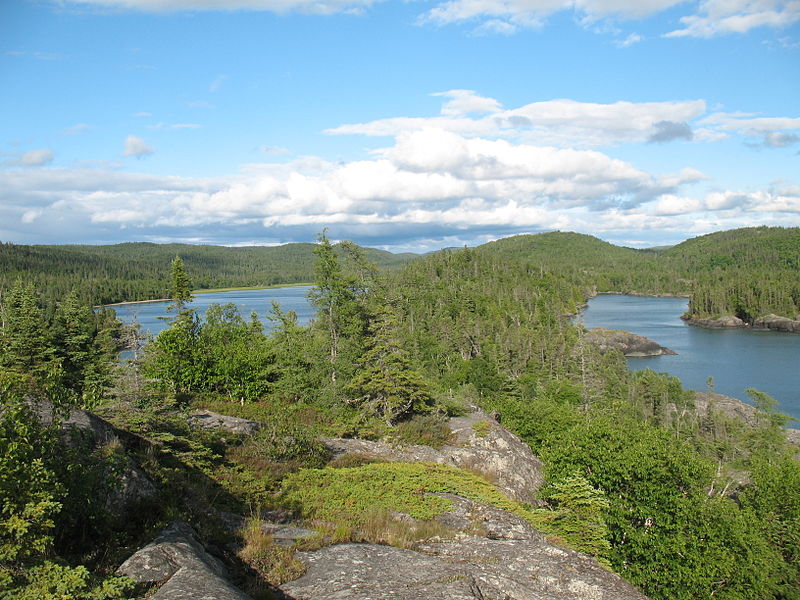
(765, 323)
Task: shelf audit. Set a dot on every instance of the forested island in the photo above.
(367, 431)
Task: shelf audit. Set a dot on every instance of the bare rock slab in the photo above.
(210, 420)
(471, 568)
(177, 558)
(481, 444)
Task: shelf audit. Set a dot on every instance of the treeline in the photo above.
(134, 271)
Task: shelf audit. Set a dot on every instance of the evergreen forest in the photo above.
(680, 503)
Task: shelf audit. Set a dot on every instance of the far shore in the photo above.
(209, 291)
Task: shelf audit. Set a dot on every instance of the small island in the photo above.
(626, 342)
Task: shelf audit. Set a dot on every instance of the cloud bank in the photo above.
(476, 171)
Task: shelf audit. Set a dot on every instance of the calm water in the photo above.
(290, 298)
(736, 359)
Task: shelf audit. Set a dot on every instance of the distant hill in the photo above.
(747, 272)
(140, 270)
(592, 263)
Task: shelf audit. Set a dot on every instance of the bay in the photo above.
(737, 359)
(150, 314)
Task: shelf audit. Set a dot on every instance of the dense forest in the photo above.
(682, 504)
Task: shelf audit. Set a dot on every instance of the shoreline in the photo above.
(207, 291)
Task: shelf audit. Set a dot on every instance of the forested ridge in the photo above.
(684, 504)
(748, 272)
(134, 271)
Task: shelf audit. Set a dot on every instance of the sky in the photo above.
(409, 125)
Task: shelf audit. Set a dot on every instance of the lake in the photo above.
(737, 359)
(290, 298)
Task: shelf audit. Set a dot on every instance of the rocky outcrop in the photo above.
(723, 322)
(704, 402)
(210, 420)
(480, 444)
(85, 430)
(776, 323)
(509, 560)
(177, 559)
(628, 343)
(731, 407)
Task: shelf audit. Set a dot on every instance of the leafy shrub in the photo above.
(347, 495)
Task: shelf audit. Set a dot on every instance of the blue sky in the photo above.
(403, 125)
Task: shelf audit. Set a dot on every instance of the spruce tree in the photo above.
(180, 289)
(386, 385)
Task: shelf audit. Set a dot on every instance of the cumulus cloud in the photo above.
(432, 180)
(533, 13)
(464, 102)
(772, 132)
(477, 170)
(722, 17)
(554, 122)
(136, 146)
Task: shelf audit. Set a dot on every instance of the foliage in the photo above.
(347, 495)
(577, 515)
(52, 581)
(30, 494)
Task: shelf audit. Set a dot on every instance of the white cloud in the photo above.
(185, 126)
(722, 17)
(556, 122)
(35, 158)
(632, 39)
(136, 146)
(431, 177)
(507, 16)
(464, 102)
(29, 216)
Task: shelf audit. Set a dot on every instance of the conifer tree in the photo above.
(180, 289)
(386, 385)
(25, 344)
